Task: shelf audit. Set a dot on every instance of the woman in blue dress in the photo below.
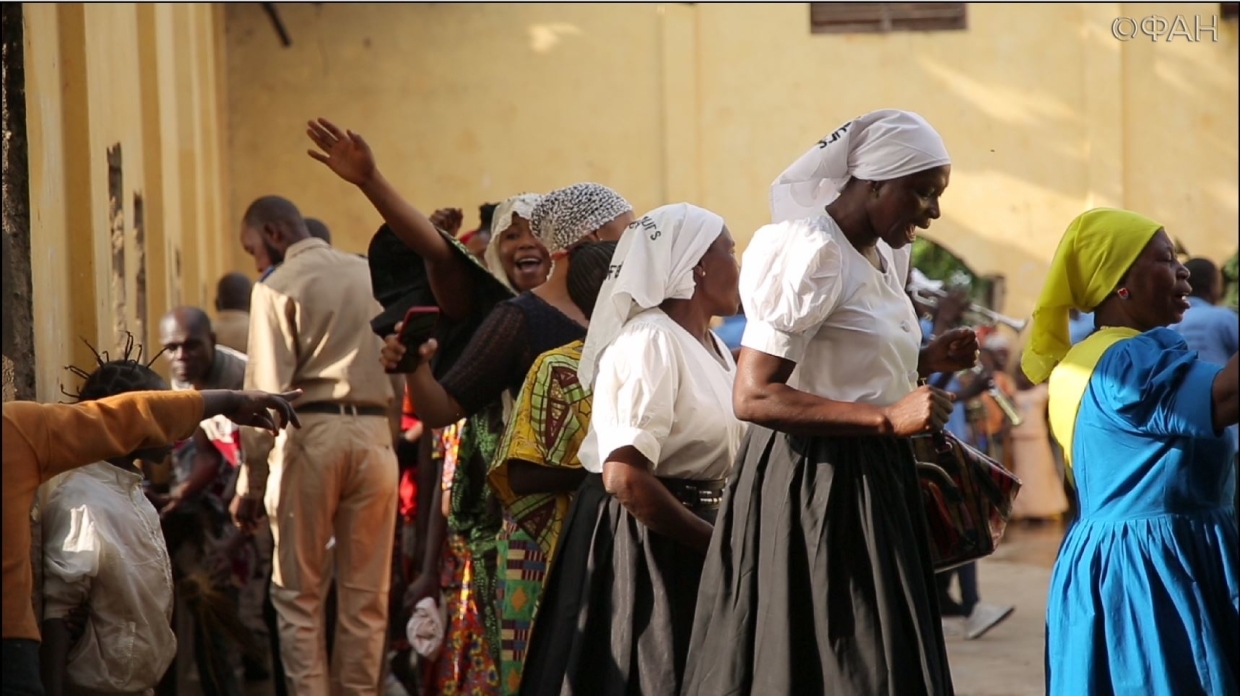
(1143, 596)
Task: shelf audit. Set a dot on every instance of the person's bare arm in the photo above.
(348, 155)
(436, 407)
(479, 376)
(205, 469)
(1226, 395)
(761, 395)
(627, 476)
(951, 351)
(118, 425)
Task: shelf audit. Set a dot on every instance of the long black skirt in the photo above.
(818, 579)
(617, 606)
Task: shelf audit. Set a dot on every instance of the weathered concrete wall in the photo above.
(126, 175)
(18, 331)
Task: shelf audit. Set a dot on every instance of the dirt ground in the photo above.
(1008, 660)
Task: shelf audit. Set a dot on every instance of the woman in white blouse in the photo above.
(617, 607)
(819, 578)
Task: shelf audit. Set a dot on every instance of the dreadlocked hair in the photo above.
(112, 377)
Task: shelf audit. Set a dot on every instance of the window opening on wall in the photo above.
(885, 17)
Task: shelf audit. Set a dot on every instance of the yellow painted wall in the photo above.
(144, 77)
(1044, 111)
(462, 103)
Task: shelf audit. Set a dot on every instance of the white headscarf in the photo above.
(879, 146)
(523, 205)
(653, 262)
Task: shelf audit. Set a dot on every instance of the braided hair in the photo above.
(588, 266)
(113, 377)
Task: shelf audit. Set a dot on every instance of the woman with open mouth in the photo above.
(1143, 594)
(491, 371)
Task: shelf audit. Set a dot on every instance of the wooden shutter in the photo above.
(881, 17)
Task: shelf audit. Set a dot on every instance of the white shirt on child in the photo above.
(102, 544)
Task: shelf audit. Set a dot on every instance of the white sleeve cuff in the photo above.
(615, 437)
(761, 336)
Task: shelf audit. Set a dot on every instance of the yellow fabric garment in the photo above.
(1070, 379)
(548, 424)
(1096, 251)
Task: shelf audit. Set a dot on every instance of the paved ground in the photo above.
(1007, 661)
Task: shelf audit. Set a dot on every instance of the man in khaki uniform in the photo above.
(232, 306)
(336, 477)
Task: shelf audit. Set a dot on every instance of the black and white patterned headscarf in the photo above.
(566, 215)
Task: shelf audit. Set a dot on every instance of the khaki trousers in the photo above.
(335, 476)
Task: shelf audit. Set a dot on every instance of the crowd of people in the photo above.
(571, 484)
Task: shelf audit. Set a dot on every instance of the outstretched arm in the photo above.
(761, 395)
(348, 155)
(118, 425)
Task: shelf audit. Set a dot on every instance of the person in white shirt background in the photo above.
(819, 577)
(618, 604)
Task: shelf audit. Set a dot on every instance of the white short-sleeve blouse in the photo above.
(661, 391)
(812, 298)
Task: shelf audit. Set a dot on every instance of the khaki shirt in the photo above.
(232, 329)
(310, 330)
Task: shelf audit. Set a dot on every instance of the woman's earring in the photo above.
(1123, 293)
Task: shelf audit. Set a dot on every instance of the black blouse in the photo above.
(501, 353)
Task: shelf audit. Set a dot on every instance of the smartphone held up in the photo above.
(417, 328)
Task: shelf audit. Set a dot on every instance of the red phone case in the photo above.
(417, 320)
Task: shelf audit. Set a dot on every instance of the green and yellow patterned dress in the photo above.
(548, 423)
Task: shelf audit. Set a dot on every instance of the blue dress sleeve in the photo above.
(1157, 386)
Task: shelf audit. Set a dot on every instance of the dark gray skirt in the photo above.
(617, 605)
(819, 579)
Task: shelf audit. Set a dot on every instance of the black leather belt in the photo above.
(342, 409)
(696, 495)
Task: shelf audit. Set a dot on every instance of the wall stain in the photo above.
(116, 225)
